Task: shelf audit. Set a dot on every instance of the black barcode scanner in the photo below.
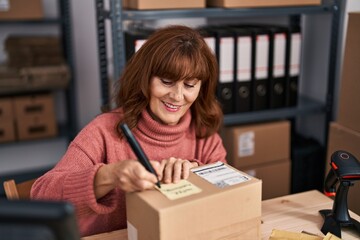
(345, 170)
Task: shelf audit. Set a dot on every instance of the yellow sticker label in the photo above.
(178, 190)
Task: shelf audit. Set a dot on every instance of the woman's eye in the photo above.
(189, 85)
(166, 82)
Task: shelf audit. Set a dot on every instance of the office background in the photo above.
(25, 156)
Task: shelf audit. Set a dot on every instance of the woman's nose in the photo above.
(177, 93)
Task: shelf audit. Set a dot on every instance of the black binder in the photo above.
(293, 70)
(224, 49)
(279, 58)
(243, 65)
(261, 68)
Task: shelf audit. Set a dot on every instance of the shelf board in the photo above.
(305, 106)
(23, 156)
(128, 14)
(44, 21)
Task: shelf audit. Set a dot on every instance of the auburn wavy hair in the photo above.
(174, 53)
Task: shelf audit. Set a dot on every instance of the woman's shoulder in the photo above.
(105, 120)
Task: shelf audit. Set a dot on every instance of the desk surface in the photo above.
(296, 213)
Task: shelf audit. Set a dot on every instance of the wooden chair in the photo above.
(18, 191)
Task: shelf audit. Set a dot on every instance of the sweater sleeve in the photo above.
(72, 179)
(212, 150)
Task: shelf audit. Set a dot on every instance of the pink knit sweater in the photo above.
(97, 144)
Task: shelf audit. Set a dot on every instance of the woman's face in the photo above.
(170, 100)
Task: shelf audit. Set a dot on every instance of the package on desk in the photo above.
(35, 116)
(21, 10)
(260, 3)
(7, 127)
(160, 4)
(281, 235)
(255, 144)
(215, 202)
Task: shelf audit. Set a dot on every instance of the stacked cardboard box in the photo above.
(262, 150)
(345, 133)
(260, 3)
(7, 131)
(14, 80)
(35, 116)
(21, 10)
(30, 51)
(160, 4)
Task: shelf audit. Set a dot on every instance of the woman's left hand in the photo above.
(174, 169)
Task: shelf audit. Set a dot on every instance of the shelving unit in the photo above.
(68, 128)
(63, 22)
(309, 105)
(306, 105)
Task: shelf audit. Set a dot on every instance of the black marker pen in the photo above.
(135, 146)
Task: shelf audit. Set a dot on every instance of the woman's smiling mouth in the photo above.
(171, 107)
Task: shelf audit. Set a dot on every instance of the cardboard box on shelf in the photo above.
(160, 4)
(260, 3)
(21, 10)
(7, 130)
(349, 114)
(253, 144)
(275, 176)
(216, 212)
(35, 105)
(35, 127)
(35, 116)
(343, 138)
(28, 79)
(6, 108)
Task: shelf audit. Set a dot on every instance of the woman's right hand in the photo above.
(128, 175)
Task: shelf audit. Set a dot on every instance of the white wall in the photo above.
(86, 60)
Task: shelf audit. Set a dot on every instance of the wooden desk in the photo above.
(296, 213)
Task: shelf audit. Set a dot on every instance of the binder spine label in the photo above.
(139, 43)
(279, 55)
(210, 41)
(295, 54)
(244, 59)
(226, 59)
(262, 55)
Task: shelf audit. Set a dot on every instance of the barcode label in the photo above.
(220, 175)
(4, 5)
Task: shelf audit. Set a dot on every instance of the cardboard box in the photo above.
(250, 145)
(160, 4)
(35, 117)
(21, 10)
(6, 108)
(349, 114)
(34, 105)
(7, 130)
(260, 3)
(231, 212)
(275, 176)
(343, 138)
(35, 127)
